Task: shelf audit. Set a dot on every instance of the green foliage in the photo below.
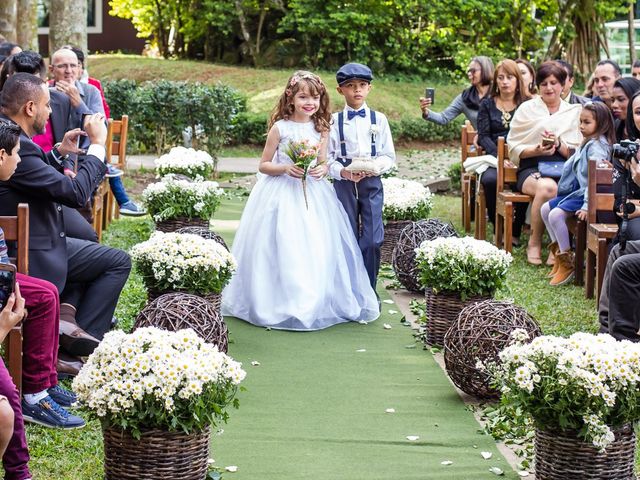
(410, 129)
(159, 112)
(249, 128)
(454, 173)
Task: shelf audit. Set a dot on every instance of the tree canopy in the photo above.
(401, 36)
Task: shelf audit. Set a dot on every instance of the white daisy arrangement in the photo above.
(584, 384)
(196, 164)
(405, 199)
(183, 262)
(153, 378)
(465, 266)
(172, 198)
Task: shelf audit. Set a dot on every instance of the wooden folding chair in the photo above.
(480, 218)
(467, 180)
(16, 229)
(507, 177)
(598, 234)
(98, 210)
(116, 147)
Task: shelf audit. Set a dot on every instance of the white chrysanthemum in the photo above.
(152, 371)
(405, 199)
(185, 161)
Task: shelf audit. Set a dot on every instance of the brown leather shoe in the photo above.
(67, 365)
(75, 340)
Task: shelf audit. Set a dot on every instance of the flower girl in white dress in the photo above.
(299, 265)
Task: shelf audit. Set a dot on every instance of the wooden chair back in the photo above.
(16, 229)
(598, 202)
(117, 141)
(467, 134)
(506, 175)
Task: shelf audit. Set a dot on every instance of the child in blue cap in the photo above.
(359, 132)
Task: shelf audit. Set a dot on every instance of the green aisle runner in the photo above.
(315, 408)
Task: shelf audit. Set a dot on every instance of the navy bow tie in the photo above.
(355, 113)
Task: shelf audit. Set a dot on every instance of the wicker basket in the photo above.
(214, 298)
(480, 332)
(174, 311)
(175, 224)
(392, 230)
(563, 456)
(442, 310)
(157, 455)
(404, 253)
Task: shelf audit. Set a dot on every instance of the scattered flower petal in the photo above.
(255, 363)
(496, 471)
(390, 410)
(231, 468)
(523, 473)
(210, 461)
(486, 455)
(361, 350)
(446, 462)
(386, 326)
(363, 322)
(392, 312)
(413, 438)
(389, 301)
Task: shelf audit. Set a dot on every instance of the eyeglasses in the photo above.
(65, 66)
(472, 71)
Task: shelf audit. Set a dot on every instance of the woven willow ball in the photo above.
(404, 255)
(480, 332)
(204, 233)
(175, 311)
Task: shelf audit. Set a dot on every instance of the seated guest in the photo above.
(567, 94)
(480, 73)
(66, 70)
(43, 399)
(62, 119)
(626, 178)
(604, 76)
(635, 69)
(8, 48)
(528, 75)
(508, 91)
(88, 276)
(623, 91)
(619, 308)
(544, 128)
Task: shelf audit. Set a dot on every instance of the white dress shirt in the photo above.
(357, 135)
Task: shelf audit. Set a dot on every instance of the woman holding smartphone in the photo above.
(480, 73)
(496, 111)
(545, 128)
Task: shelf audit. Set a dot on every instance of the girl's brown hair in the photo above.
(509, 67)
(604, 121)
(314, 86)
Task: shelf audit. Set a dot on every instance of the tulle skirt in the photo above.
(298, 268)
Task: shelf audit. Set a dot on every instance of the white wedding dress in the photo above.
(298, 269)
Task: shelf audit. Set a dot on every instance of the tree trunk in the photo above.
(68, 24)
(8, 15)
(242, 19)
(27, 24)
(632, 34)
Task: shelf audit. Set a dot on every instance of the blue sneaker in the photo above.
(49, 414)
(132, 209)
(62, 396)
(113, 171)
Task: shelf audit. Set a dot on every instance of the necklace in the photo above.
(506, 115)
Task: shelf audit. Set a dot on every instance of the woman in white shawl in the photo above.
(545, 128)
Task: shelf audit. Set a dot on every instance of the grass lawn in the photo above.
(262, 87)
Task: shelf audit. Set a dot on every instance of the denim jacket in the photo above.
(576, 168)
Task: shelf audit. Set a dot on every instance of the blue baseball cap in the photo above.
(354, 70)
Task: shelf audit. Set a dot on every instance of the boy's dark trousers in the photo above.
(364, 210)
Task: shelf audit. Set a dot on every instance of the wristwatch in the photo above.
(56, 153)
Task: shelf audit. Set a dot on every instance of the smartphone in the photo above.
(430, 93)
(548, 141)
(7, 282)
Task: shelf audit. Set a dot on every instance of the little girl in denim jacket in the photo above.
(596, 126)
